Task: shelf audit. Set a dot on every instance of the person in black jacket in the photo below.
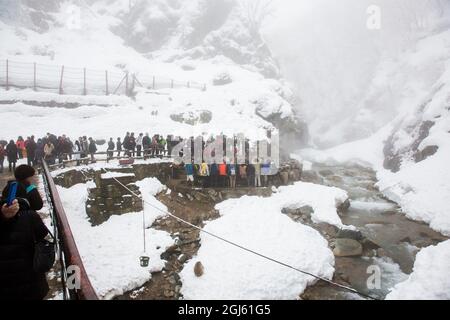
(92, 148)
(12, 155)
(31, 146)
(19, 230)
(111, 146)
(26, 188)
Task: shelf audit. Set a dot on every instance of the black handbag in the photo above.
(44, 253)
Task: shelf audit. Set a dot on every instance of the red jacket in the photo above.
(222, 169)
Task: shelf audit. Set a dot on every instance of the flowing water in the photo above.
(382, 222)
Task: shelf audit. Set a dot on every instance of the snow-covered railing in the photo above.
(81, 289)
(81, 81)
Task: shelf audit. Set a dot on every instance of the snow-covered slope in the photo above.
(411, 152)
(258, 224)
(108, 35)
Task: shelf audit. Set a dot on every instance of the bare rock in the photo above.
(199, 269)
(347, 248)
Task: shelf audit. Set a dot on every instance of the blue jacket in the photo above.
(189, 169)
(214, 169)
(232, 167)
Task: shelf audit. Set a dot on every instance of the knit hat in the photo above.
(23, 172)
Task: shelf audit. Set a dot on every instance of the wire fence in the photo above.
(81, 81)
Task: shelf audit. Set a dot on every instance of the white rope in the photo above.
(242, 247)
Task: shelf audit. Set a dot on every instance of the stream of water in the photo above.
(382, 222)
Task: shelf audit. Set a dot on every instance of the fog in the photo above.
(330, 55)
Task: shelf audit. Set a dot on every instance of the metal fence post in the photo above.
(84, 81)
(34, 76)
(106, 79)
(7, 74)
(61, 81)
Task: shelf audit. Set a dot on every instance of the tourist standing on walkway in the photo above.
(49, 148)
(20, 147)
(132, 145)
(39, 151)
(2, 157)
(204, 174)
(232, 173)
(250, 175)
(85, 146)
(92, 149)
(146, 144)
(31, 151)
(189, 168)
(12, 154)
(223, 174)
(214, 174)
(265, 173)
(126, 144)
(110, 150)
(139, 144)
(118, 146)
(257, 166)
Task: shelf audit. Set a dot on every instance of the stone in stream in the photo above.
(349, 234)
(199, 269)
(347, 248)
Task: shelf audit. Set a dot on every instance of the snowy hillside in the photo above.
(99, 35)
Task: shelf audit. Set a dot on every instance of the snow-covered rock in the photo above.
(258, 224)
(111, 251)
(430, 279)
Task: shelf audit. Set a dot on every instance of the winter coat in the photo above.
(31, 149)
(111, 146)
(204, 170)
(139, 140)
(119, 146)
(250, 170)
(232, 170)
(243, 171)
(48, 150)
(18, 280)
(257, 169)
(92, 147)
(146, 142)
(2, 152)
(39, 151)
(20, 144)
(214, 171)
(11, 152)
(265, 169)
(222, 169)
(189, 169)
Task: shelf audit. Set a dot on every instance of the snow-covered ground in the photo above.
(429, 280)
(258, 224)
(111, 251)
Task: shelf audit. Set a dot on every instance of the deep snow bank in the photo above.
(111, 251)
(258, 224)
(430, 279)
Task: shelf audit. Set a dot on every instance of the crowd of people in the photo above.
(229, 174)
(55, 149)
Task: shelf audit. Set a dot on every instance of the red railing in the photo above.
(67, 243)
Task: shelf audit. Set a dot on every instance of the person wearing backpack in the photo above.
(22, 263)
